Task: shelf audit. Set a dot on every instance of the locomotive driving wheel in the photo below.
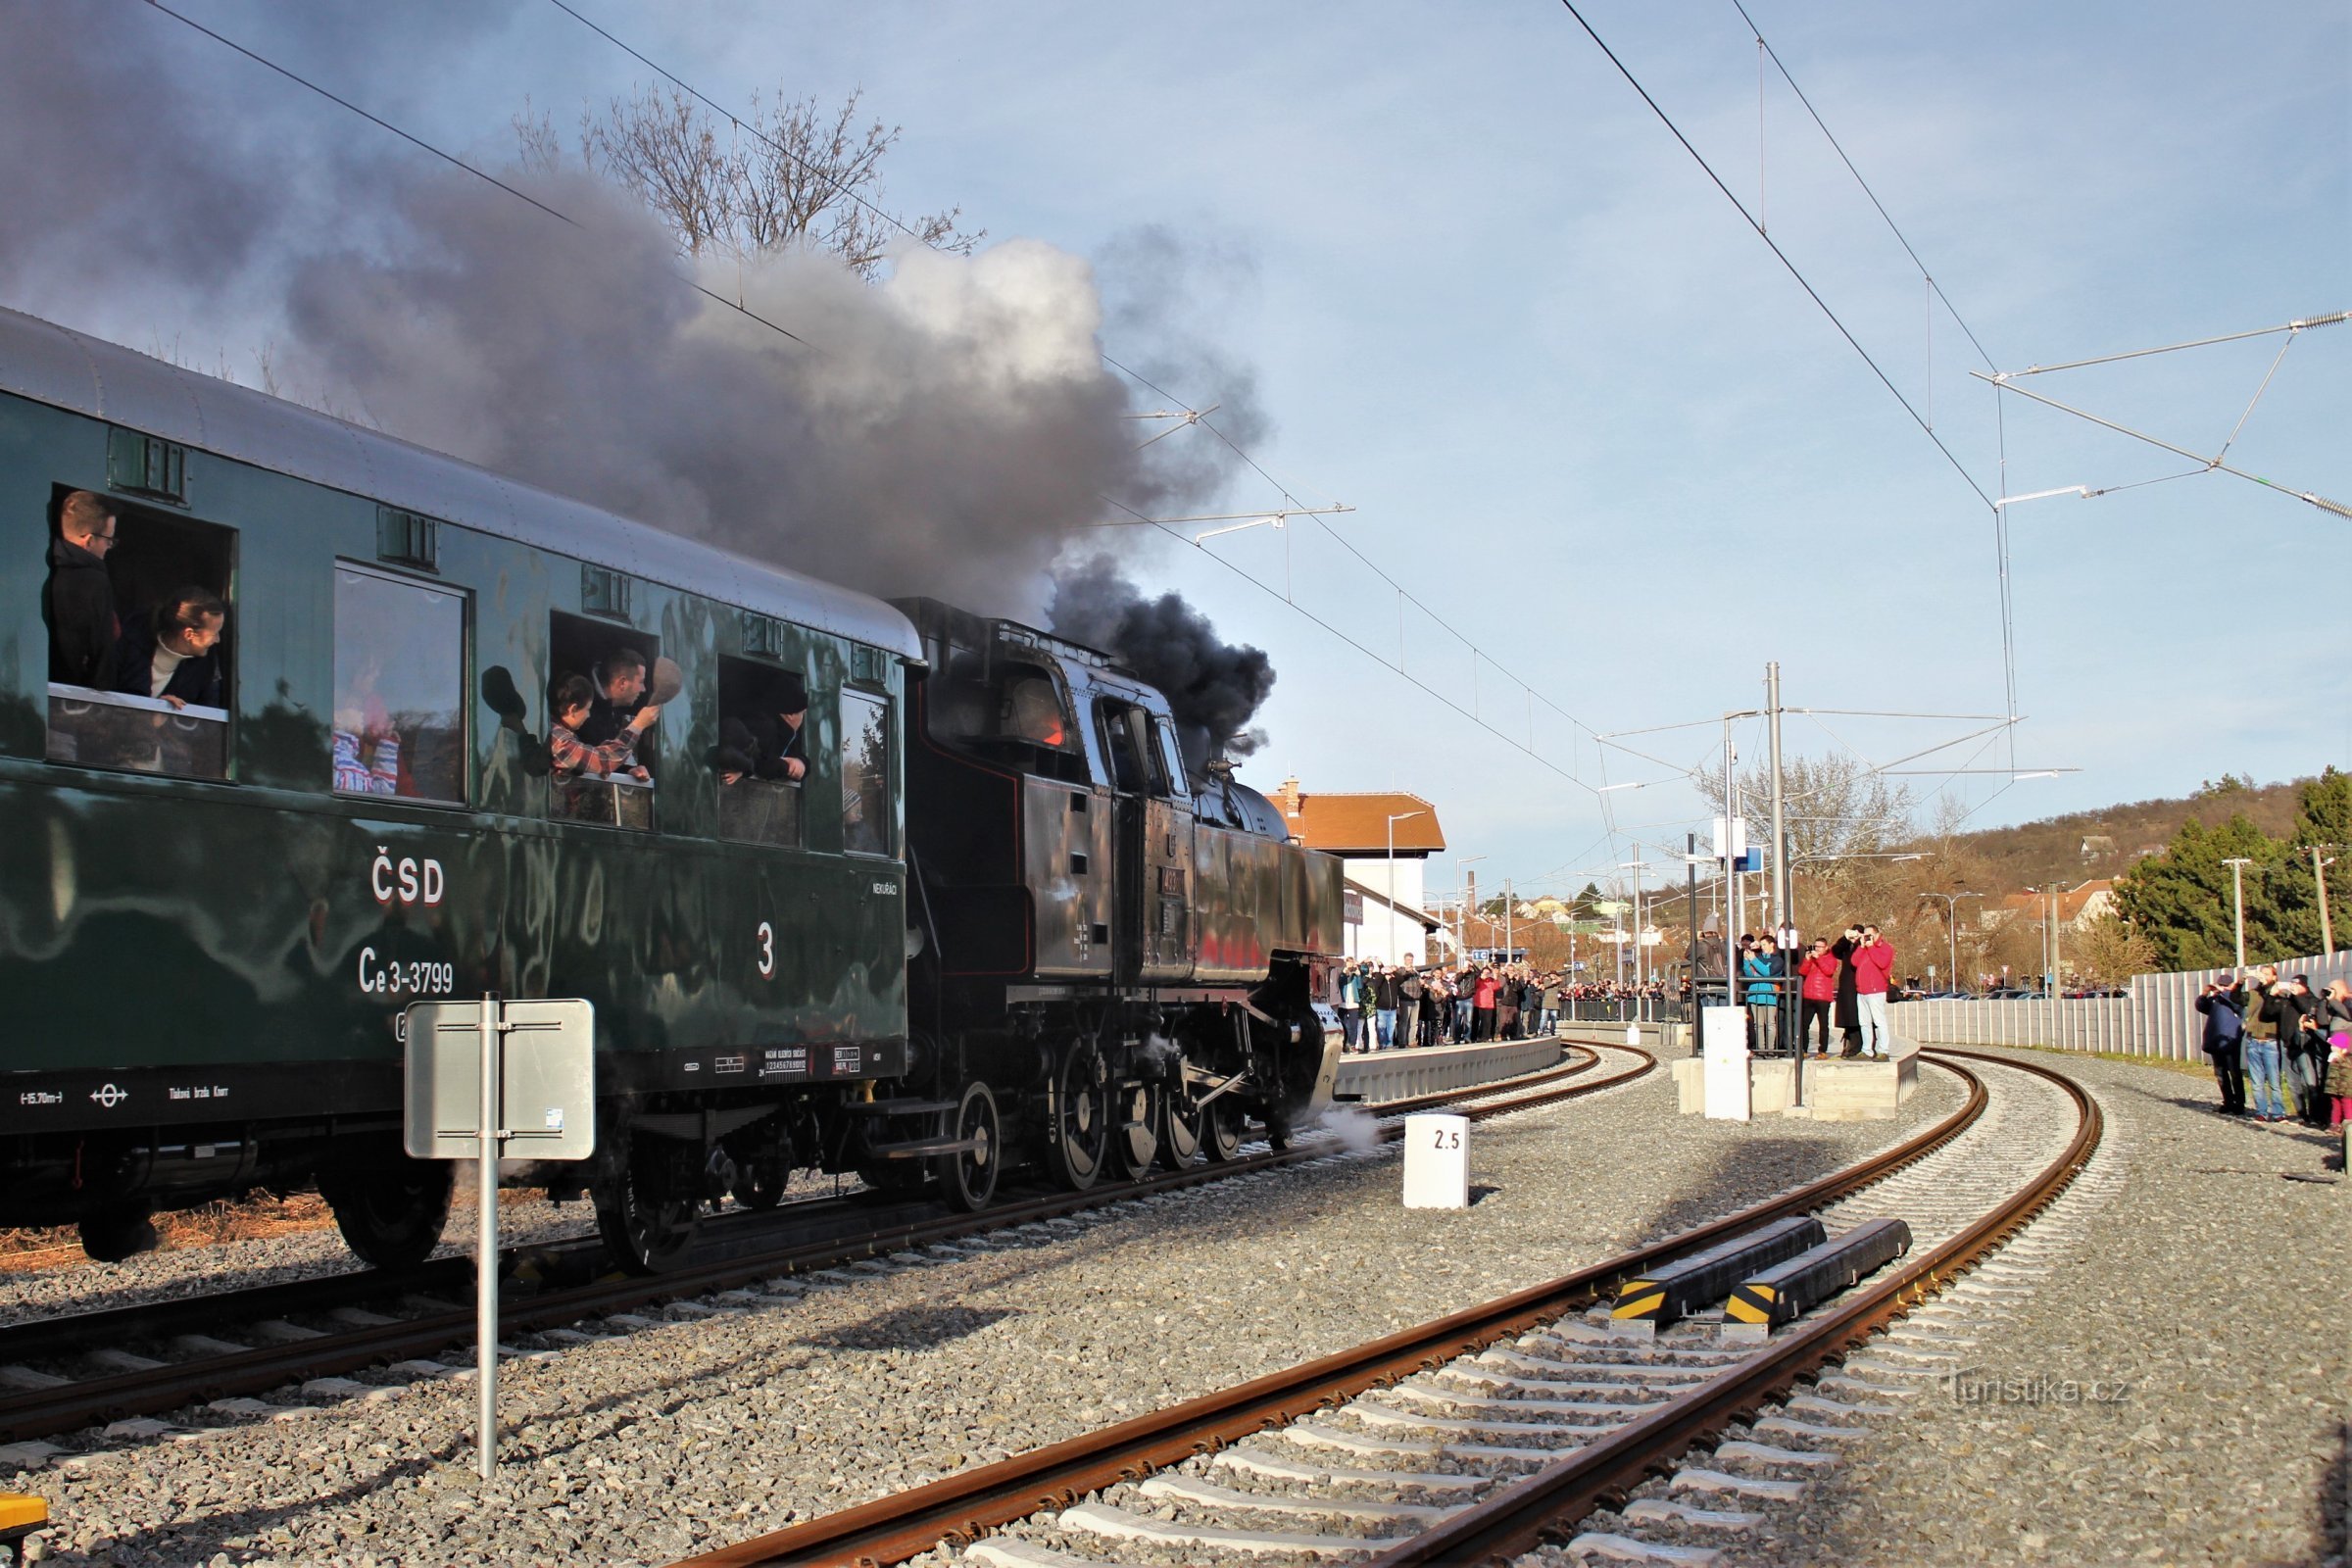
(647, 1207)
(389, 1208)
(1135, 1134)
(1221, 1128)
(968, 1179)
(1078, 1133)
(1180, 1126)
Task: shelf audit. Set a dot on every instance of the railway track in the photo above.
(1475, 1438)
(123, 1367)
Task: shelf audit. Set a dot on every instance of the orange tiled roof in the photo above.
(1357, 824)
(2071, 903)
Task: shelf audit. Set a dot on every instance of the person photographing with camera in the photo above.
(2224, 1006)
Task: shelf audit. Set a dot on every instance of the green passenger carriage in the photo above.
(210, 918)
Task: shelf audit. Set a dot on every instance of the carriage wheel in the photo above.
(645, 1212)
(112, 1234)
(1078, 1133)
(762, 1165)
(389, 1208)
(968, 1179)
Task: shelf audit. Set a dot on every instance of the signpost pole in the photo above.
(485, 1266)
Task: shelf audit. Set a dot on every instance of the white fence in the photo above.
(2064, 1025)
(2159, 1018)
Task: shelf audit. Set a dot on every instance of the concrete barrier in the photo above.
(1658, 1039)
(1380, 1076)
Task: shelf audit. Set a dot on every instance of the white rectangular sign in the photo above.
(1436, 1162)
(1724, 1032)
(547, 1101)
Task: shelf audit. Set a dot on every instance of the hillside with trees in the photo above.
(2109, 841)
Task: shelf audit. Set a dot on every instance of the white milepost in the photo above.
(1436, 1162)
(1724, 1033)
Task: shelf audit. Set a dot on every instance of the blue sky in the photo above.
(1579, 408)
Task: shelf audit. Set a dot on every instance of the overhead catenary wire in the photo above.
(1839, 147)
(1778, 254)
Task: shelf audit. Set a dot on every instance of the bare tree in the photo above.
(1837, 808)
(2110, 949)
(792, 174)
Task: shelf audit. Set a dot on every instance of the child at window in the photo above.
(573, 757)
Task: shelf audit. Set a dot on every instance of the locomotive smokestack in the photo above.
(1213, 687)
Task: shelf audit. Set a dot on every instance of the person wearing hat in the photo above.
(2225, 1008)
(767, 742)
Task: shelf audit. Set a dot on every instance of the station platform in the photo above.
(1379, 1076)
(1833, 1090)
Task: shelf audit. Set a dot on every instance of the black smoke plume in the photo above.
(947, 431)
(1213, 687)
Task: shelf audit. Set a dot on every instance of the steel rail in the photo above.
(86, 1401)
(1518, 1518)
(960, 1508)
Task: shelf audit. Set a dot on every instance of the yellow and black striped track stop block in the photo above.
(1789, 1289)
(20, 1517)
(1668, 1295)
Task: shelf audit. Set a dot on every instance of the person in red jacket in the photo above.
(1873, 964)
(1819, 967)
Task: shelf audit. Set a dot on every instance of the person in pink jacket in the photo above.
(1873, 964)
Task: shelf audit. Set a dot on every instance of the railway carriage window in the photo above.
(763, 752)
(141, 638)
(865, 817)
(605, 767)
(400, 688)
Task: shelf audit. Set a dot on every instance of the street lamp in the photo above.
(1951, 913)
(2237, 865)
(1396, 819)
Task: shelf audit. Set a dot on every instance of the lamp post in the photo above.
(1390, 888)
(2237, 865)
(2319, 874)
(1951, 913)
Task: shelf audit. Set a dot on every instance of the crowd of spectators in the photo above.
(2292, 1042)
(1386, 1007)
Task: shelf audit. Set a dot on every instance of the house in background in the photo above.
(1388, 916)
(2077, 906)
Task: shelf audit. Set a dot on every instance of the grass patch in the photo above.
(258, 1214)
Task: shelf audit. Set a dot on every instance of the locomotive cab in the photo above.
(1134, 943)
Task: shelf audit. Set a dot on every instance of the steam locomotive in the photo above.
(995, 921)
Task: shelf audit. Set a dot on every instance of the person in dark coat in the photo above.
(78, 599)
(175, 653)
(766, 741)
(2224, 1006)
(1848, 1012)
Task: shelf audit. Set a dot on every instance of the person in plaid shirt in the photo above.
(572, 756)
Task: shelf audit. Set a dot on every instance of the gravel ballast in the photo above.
(649, 1442)
(2174, 1390)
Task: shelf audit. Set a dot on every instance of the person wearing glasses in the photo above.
(78, 599)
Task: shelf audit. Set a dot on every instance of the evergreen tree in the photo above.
(2181, 901)
(2324, 822)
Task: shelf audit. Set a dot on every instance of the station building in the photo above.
(1385, 839)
